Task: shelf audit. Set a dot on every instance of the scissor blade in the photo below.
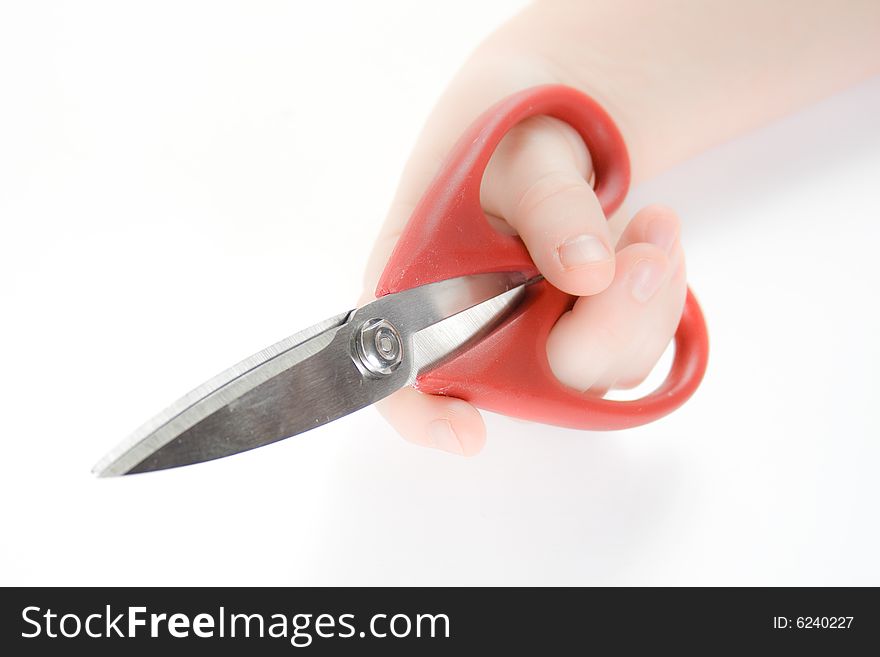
(313, 378)
(192, 410)
(284, 398)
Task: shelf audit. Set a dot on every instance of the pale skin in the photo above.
(677, 77)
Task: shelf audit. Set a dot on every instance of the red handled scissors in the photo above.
(461, 311)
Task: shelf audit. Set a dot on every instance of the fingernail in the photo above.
(662, 233)
(443, 437)
(582, 250)
(645, 279)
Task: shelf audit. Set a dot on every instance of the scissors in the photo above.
(461, 310)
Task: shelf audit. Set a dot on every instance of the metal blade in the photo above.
(318, 375)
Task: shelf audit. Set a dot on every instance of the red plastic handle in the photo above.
(448, 235)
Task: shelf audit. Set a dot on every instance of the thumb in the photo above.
(538, 181)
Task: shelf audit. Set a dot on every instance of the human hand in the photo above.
(631, 283)
(670, 102)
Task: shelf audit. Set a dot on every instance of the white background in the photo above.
(182, 184)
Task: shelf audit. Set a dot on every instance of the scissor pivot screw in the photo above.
(378, 347)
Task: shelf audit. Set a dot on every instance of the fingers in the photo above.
(538, 181)
(654, 224)
(538, 185)
(444, 423)
(613, 339)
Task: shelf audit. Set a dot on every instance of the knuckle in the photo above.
(549, 186)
